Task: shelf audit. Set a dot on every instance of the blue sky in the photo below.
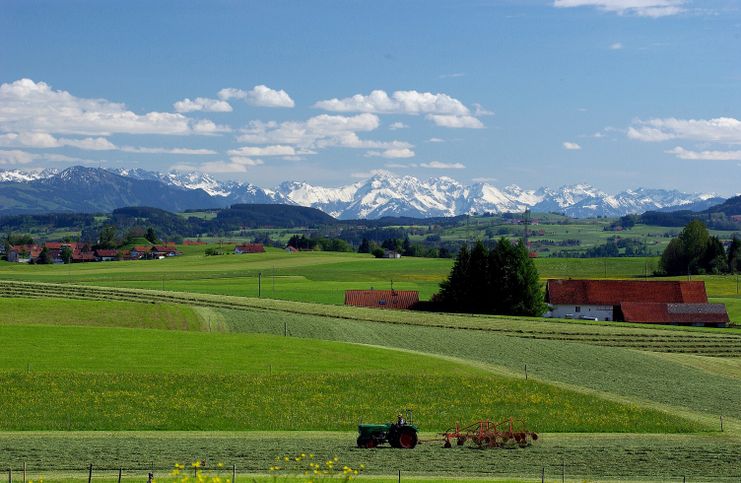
(616, 93)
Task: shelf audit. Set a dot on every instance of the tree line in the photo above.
(501, 280)
(697, 252)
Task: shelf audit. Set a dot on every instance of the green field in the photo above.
(322, 276)
(204, 369)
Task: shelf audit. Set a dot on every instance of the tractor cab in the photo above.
(400, 434)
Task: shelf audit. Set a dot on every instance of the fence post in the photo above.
(120, 470)
(399, 476)
(563, 470)
(10, 475)
(24, 472)
(542, 475)
(90, 473)
(234, 473)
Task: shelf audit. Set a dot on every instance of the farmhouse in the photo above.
(250, 248)
(391, 254)
(383, 299)
(661, 302)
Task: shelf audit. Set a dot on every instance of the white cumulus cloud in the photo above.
(616, 46)
(274, 150)
(399, 102)
(42, 140)
(261, 95)
(202, 104)
(397, 125)
(319, 132)
(441, 165)
(571, 146)
(452, 121)
(641, 8)
(708, 155)
(720, 130)
(179, 151)
(392, 153)
(28, 106)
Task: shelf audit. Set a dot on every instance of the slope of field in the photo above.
(99, 378)
(110, 314)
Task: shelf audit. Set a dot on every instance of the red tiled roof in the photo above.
(164, 248)
(615, 292)
(78, 255)
(143, 248)
(53, 245)
(674, 313)
(250, 248)
(385, 299)
(106, 253)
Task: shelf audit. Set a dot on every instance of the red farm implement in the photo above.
(485, 433)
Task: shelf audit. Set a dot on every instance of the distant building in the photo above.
(660, 302)
(391, 254)
(291, 249)
(250, 248)
(103, 255)
(382, 299)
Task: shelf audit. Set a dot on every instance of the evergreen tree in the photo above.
(501, 281)
(151, 236)
(714, 259)
(451, 295)
(44, 257)
(734, 255)
(107, 238)
(364, 246)
(514, 280)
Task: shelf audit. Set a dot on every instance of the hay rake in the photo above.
(486, 433)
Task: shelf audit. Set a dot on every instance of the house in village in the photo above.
(249, 248)
(391, 254)
(291, 249)
(382, 299)
(106, 255)
(659, 302)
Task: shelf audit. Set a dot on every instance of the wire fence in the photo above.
(148, 473)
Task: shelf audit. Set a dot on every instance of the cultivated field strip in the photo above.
(710, 342)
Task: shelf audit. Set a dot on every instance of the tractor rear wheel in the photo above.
(407, 438)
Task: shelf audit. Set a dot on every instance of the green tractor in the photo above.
(401, 434)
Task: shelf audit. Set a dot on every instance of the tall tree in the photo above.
(452, 290)
(734, 255)
(501, 281)
(151, 236)
(714, 258)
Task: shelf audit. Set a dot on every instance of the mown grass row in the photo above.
(666, 339)
(581, 456)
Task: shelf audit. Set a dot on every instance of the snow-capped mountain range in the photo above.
(387, 194)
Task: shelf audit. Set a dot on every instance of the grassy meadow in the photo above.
(323, 277)
(144, 364)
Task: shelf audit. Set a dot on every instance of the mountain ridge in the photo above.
(382, 194)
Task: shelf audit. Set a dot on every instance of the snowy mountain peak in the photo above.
(387, 194)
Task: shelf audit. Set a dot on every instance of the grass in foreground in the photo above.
(585, 456)
(89, 378)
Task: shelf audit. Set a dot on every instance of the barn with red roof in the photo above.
(382, 299)
(658, 302)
